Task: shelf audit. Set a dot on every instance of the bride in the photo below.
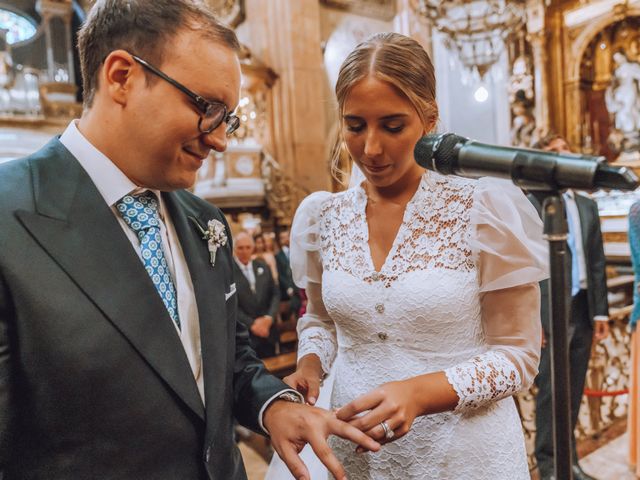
(423, 289)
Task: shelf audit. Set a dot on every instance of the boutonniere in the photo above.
(260, 270)
(215, 235)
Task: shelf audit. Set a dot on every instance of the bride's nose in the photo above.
(372, 144)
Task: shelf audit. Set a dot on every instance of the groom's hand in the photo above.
(292, 425)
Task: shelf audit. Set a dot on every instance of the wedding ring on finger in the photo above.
(388, 433)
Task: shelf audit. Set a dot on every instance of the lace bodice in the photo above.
(432, 238)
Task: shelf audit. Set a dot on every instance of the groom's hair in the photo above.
(142, 28)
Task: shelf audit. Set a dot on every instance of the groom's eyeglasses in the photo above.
(212, 113)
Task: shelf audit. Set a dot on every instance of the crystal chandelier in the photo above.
(476, 30)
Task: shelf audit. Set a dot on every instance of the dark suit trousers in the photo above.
(580, 338)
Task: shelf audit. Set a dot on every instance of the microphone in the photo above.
(451, 154)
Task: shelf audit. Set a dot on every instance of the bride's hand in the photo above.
(397, 404)
(394, 403)
(307, 378)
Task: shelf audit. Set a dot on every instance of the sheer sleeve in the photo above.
(512, 258)
(316, 330)
(506, 236)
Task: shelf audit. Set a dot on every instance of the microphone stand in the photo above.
(555, 232)
(546, 174)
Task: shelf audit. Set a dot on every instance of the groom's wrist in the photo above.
(283, 396)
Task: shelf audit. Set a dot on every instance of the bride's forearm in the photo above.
(433, 393)
(311, 364)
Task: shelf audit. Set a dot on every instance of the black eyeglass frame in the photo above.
(206, 107)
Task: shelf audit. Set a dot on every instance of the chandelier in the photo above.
(477, 30)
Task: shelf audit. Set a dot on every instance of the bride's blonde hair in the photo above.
(397, 60)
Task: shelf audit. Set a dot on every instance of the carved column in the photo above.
(409, 23)
(556, 92)
(541, 109)
(537, 40)
(286, 35)
(573, 104)
(58, 11)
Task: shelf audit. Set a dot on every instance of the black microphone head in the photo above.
(437, 152)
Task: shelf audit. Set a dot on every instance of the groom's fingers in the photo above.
(294, 463)
(327, 457)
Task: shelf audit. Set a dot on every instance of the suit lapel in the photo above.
(585, 219)
(209, 284)
(79, 231)
(260, 278)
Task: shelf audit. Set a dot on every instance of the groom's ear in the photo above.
(120, 76)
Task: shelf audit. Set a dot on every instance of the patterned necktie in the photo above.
(571, 241)
(140, 213)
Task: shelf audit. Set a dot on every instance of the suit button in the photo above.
(383, 336)
(380, 307)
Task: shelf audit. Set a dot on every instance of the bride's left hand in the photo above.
(394, 403)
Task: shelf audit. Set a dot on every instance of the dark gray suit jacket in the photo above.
(264, 301)
(94, 382)
(594, 258)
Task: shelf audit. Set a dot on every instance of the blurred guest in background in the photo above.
(264, 252)
(634, 392)
(258, 296)
(589, 315)
(288, 290)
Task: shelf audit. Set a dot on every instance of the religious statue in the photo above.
(521, 95)
(7, 73)
(622, 97)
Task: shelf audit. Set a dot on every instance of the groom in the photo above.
(120, 353)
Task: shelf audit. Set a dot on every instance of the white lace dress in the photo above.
(421, 313)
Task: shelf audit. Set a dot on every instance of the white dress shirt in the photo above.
(248, 272)
(574, 215)
(113, 184)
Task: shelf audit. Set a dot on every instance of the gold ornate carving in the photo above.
(383, 9)
(57, 108)
(283, 195)
(230, 12)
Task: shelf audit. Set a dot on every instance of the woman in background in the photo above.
(264, 252)
(634, 388)
(422, 289)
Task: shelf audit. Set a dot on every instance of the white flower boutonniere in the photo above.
(215, 235)
(260, 270)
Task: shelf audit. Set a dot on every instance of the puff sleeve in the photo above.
(316, 330)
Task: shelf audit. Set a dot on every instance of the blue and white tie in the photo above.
(140, 213)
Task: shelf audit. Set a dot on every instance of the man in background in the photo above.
(258, 296)
(289, 292)
(589, 313)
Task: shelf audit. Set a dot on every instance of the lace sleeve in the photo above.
(512, 258)
(316, 330)
(513, 332)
